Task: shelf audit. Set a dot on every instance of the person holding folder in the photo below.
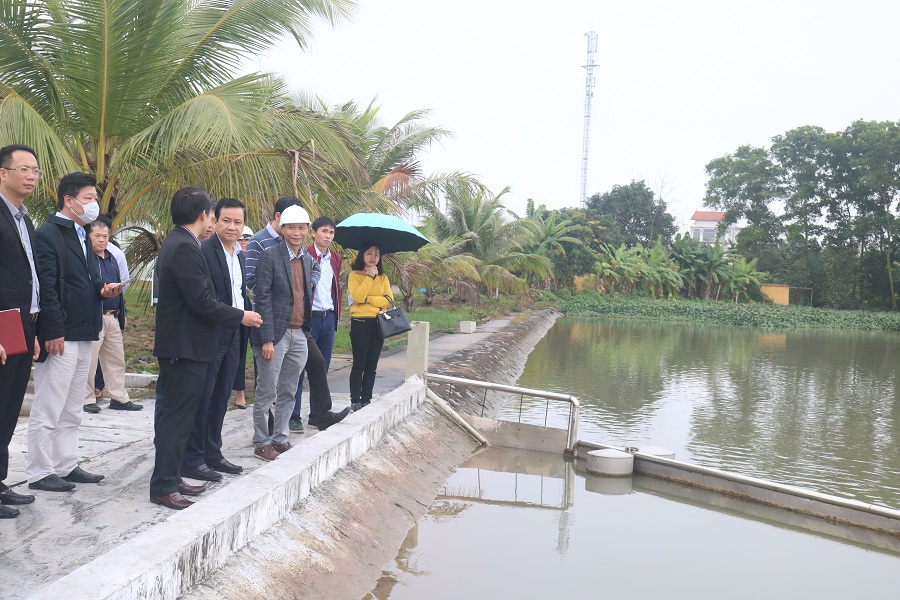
(19, 175)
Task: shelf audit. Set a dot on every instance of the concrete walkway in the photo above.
(62, 532)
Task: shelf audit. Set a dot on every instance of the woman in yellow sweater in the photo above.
(370, 293)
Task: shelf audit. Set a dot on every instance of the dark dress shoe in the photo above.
(330, 418)
(8, 496)
(190, 490)
(51, 483)
(92, 408)
(79, 475)
(223, 466)
(356, 406)
(201, 472)
(116, 405)
(8, 513)
(175, 501)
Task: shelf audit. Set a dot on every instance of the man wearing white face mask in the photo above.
(71, 297)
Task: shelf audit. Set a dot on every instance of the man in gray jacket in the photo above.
(285, 279)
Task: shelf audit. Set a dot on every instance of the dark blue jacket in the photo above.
(77, 316)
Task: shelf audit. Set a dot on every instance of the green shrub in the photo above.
(727, 313)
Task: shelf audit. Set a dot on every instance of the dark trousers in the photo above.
(366, 343)
(321, 331)
(13, 381)
(205, 441)
(319, 392)
(184, 383)
(99, 384)
(240, 384)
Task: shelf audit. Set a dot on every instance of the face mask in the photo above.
(91, 212)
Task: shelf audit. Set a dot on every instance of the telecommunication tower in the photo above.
(588, 97)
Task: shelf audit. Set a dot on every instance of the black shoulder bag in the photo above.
(392, 321)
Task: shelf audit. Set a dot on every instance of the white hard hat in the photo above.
(294, 214)
(247, 233)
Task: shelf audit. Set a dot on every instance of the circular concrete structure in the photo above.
(610, 462)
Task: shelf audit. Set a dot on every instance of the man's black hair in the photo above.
(283, 203)
(188, 204)
(6, 153)
(229, 203)
(70, 185)
(359, 263)
(98, 223)
(322, 222)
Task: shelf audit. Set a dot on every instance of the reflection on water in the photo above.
(518, 524)
(818, 409)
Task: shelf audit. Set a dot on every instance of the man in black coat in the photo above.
(19, 174)
(188, 319)
(72, 294)
(203, 457)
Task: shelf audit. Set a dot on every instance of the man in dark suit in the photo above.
(19, 289)
(188, 319)
(72, 293)
(203, 457)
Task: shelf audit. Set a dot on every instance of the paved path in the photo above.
(62, 531)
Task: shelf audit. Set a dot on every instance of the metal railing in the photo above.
(572, 401)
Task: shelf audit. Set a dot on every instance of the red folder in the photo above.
(12, 336)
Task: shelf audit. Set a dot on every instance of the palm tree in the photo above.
(552, 231)
(487, 233)
(433, 265)
(145, 95)
(660, 275)
(744, 277)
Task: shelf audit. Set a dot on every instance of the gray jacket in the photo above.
(273, 294)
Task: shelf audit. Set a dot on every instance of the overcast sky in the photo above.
(677, 83)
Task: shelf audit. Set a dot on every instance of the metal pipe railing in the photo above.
(574, 405)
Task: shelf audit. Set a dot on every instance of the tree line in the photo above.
(820, 210)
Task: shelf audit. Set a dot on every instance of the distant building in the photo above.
(705, 227)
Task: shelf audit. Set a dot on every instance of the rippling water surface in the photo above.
(818, 409)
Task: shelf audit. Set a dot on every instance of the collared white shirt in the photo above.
(234, 272)
(18, 215)
(322, 299)
(121, 262)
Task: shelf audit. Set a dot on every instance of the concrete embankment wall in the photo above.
(500, 361)
(336, 543)
(322, 520)
(174, 555)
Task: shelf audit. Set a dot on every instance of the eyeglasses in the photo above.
(26, 170)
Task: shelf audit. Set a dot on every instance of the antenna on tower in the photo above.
(588, 98)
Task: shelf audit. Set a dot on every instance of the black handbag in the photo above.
(392, 321)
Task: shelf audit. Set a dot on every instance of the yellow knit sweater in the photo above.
(368, 294)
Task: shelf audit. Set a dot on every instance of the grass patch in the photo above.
(727, 313)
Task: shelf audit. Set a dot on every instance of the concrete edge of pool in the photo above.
(179, 552)
(787, 497)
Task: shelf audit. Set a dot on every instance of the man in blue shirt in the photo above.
(109, 350)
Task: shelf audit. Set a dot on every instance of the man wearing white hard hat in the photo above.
(285, 279)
